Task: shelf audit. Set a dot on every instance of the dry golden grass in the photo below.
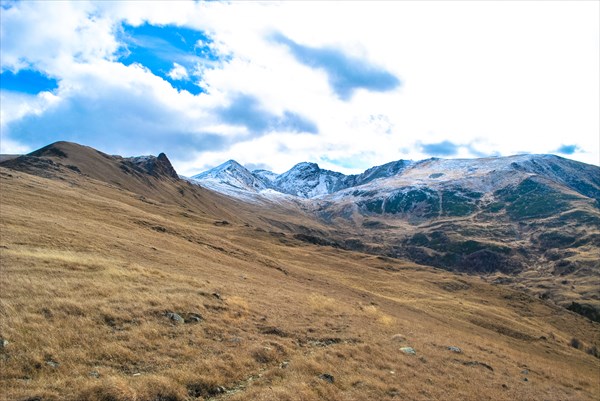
(89, 271)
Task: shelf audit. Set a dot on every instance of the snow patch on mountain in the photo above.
(265, 175)
(308, 180)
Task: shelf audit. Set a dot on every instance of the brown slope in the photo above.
(149, 178)
(64, 159)
(89, 271)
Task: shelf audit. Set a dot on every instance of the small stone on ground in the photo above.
(327, 377)
(175, 317)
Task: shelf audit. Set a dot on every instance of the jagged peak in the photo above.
(229, 163)
(154, 165)
(166, 166)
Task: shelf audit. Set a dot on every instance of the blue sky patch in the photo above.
(27, 81)
(345, 73)
(7, 4)
(350, 162)
(176, 54)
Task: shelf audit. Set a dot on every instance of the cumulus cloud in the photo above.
(10, 147)
(180, 55)
(129, 110)
(178, 72)
(49, 35)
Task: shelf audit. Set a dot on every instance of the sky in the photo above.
(347, 85)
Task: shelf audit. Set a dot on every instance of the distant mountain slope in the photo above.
(484, 215)
(438, 187)
(307, 180)
(535, 218)
(265, 175)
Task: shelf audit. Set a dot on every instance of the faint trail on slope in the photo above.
(238, 387)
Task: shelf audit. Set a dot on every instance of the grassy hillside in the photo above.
(110, 295)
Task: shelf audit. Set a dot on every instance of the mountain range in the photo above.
(305, 180)
(474, 177)
(531, 217)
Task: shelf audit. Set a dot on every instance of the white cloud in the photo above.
(500, 77)
(178, 72)
(10, 147)
(50, 35)
(17, 105)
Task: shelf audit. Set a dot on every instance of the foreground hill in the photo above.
(531, 221)
(108, 294)
(150, 179)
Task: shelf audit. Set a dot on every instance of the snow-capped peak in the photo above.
(231, 174)
(308, 180)
(228, 166)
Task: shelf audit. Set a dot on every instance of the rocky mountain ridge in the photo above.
(485, 175)
(305, 180)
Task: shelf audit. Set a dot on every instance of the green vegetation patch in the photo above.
(495, 207)
(373, 206)
(555, 239)
(585, 310)
(581, 217)
(532, 199)
(421, 202)
(459, 203)
(440, 242)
